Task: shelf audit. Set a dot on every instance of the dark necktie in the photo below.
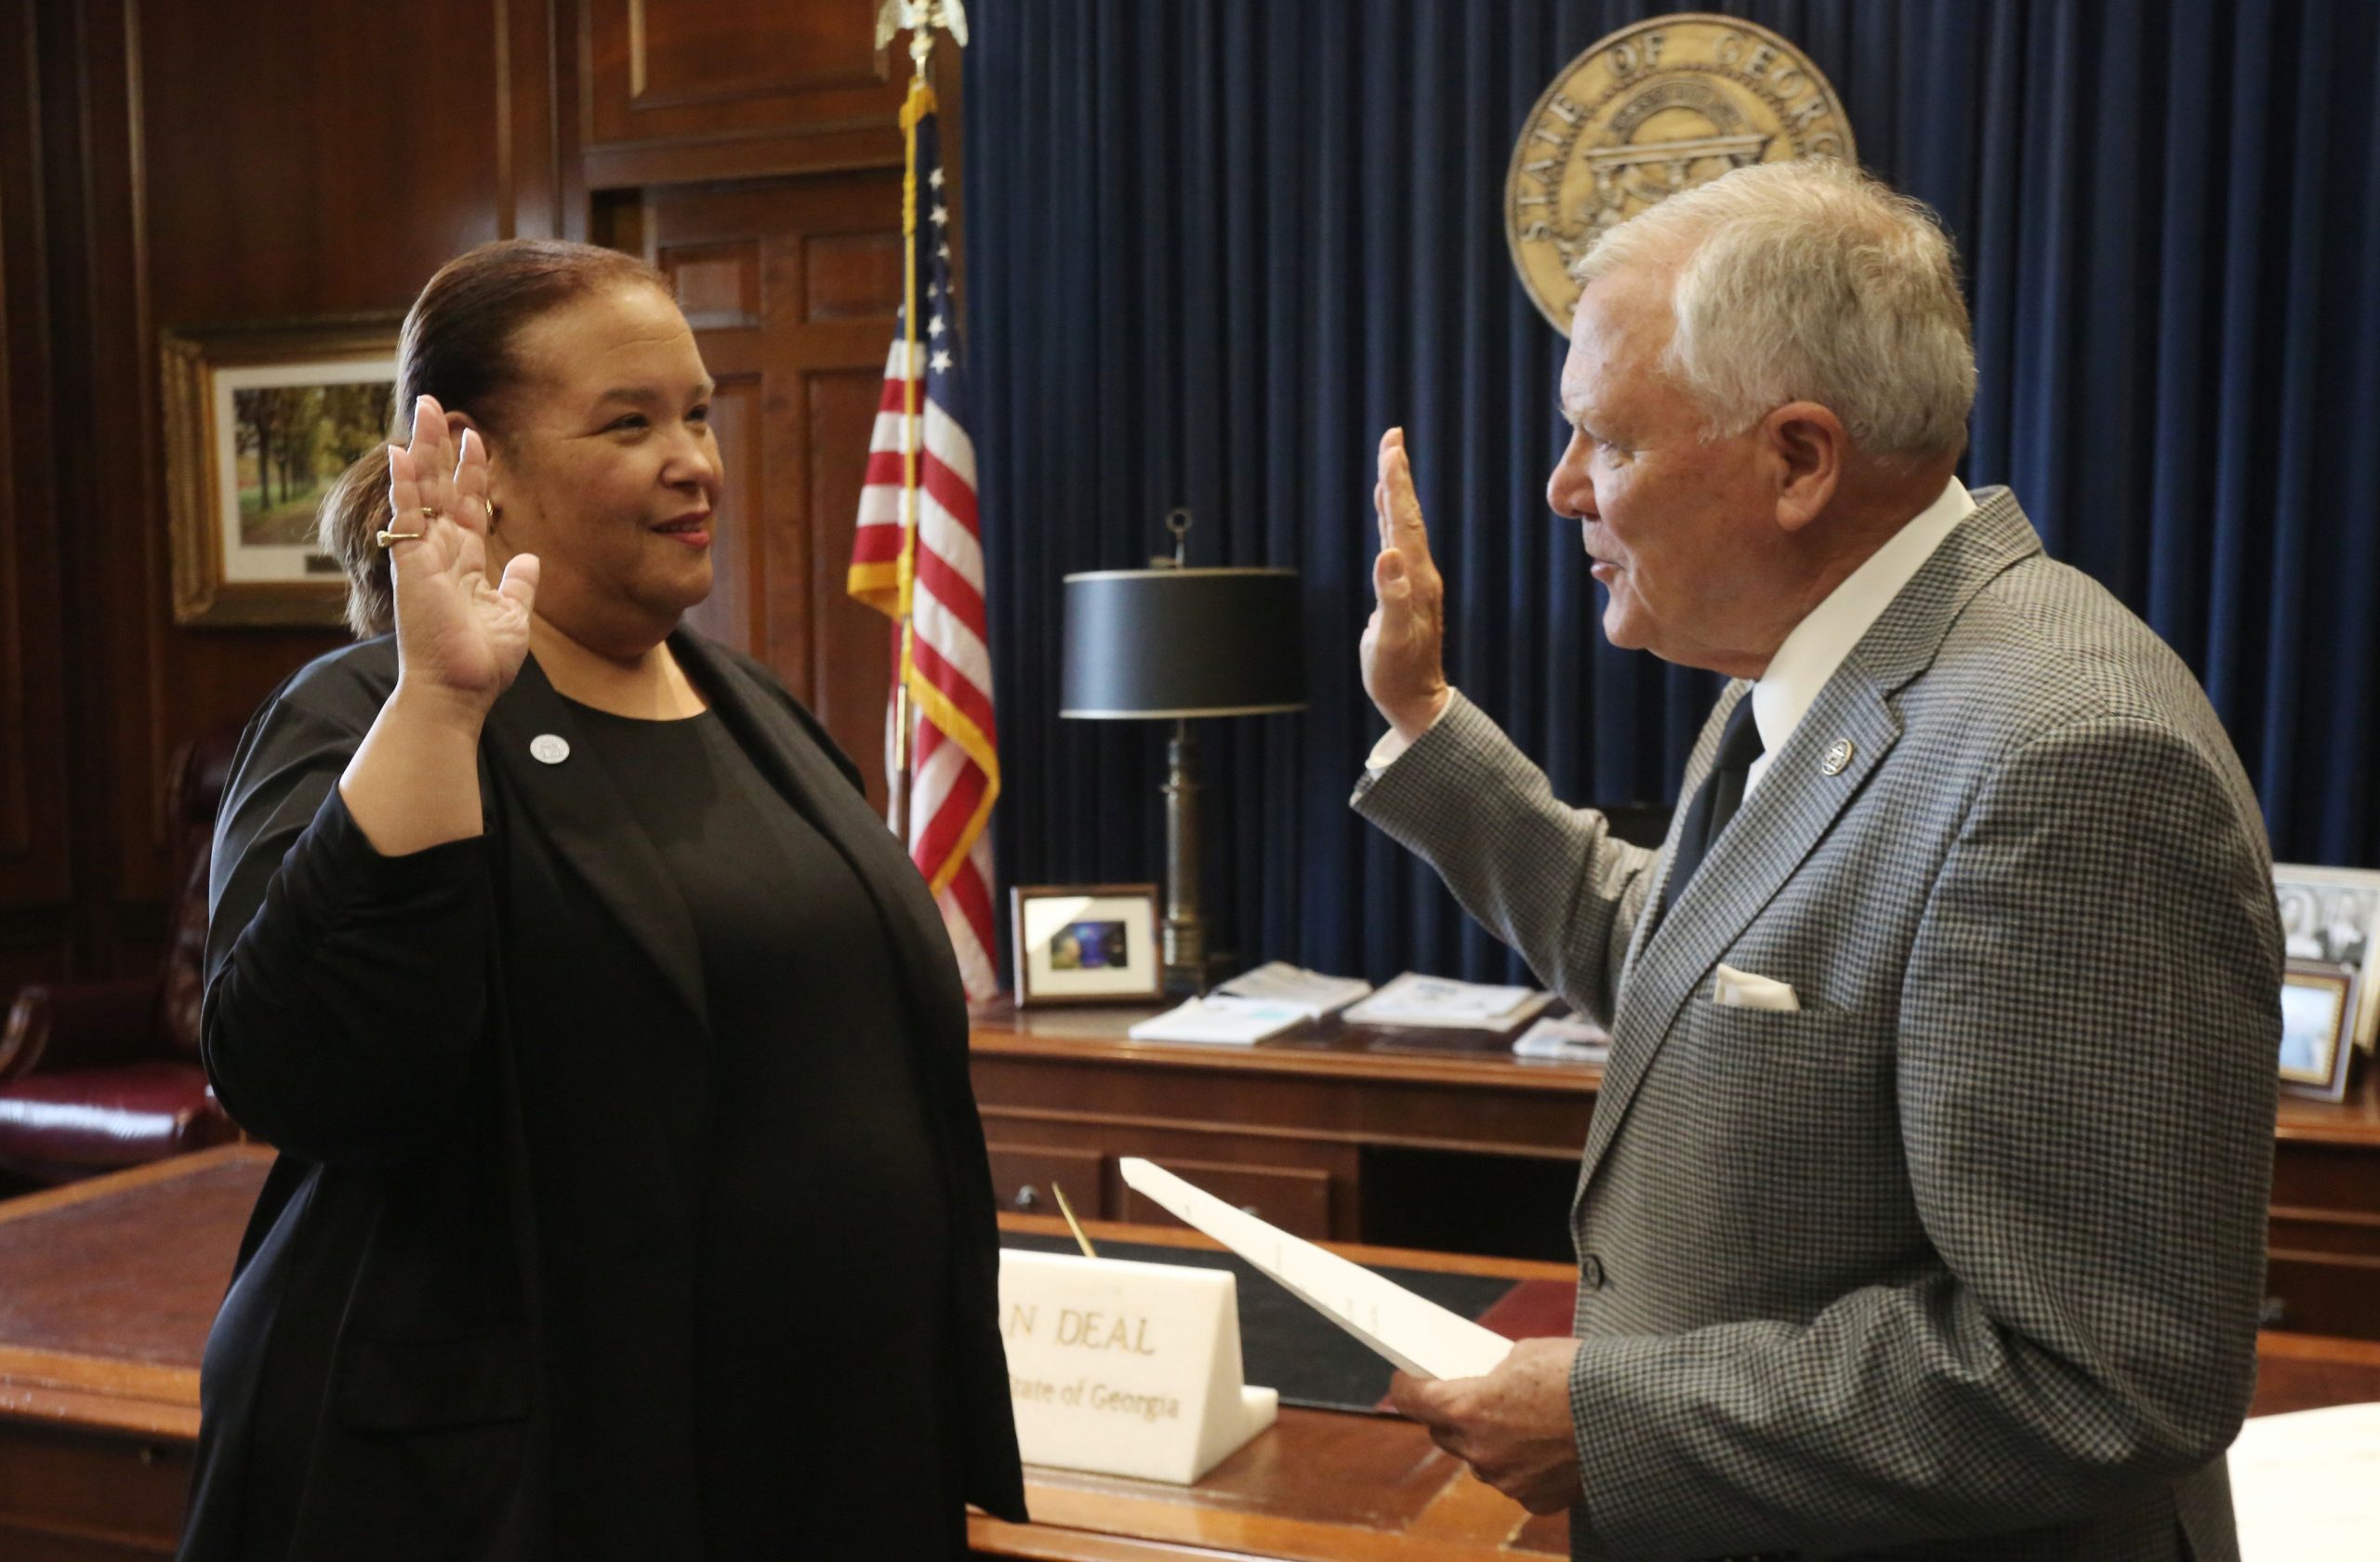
(1721, 795)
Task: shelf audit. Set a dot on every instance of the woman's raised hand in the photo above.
(459, 634)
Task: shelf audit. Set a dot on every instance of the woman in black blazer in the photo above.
(632, 1200)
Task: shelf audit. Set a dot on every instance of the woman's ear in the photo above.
(455, 423)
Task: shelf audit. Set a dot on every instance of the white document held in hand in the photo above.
(1412, 1332)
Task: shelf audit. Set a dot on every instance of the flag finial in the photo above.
(922, 20)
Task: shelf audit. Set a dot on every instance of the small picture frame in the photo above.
(2332, 915)
(1086, 944)
(2318, 1000)
(259, 421)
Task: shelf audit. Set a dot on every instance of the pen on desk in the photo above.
(1073, 1225)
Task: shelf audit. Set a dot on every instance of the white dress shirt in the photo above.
(1819, 642)
(1810, 655)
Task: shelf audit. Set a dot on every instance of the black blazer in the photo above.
(373, 1386)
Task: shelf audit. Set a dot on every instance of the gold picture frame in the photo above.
(259, 421)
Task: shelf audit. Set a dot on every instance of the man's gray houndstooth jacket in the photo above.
(1962, 1259)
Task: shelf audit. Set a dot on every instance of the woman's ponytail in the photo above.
(356, 508)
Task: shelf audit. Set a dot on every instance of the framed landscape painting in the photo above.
(259, 422)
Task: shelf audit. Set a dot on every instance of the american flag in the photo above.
(954, 764)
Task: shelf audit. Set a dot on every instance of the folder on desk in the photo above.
(1412, 1332)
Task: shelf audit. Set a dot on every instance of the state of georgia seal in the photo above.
(1649, 111)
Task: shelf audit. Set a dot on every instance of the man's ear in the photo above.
(1809, 448)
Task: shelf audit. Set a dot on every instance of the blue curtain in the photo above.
(1215, 246)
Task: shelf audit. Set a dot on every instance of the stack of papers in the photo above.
(1434, 1002)
(1279, 982)
(1239, 1022)
(1569, 1039)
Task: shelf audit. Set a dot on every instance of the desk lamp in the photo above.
(1173, 643)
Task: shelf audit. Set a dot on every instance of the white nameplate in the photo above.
(1126, 1369)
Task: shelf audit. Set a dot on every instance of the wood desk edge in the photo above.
(69, 1194)
(1006, 1032)
(1487, 1071)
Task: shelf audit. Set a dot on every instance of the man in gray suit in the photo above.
(1923, 1210)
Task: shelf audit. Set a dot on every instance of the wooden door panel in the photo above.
(718, 285)
(851, 276)
(686, 52)
(792, 285)
(677, 90)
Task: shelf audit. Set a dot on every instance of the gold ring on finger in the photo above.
(429, 513)
(384, 537)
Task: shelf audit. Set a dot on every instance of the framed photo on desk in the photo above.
(1086, 944)
(2332, 914)
(2318, 1006)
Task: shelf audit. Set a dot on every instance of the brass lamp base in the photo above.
(1185, 939)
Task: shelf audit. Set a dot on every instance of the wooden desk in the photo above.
(1446, 1140)
(1322, 1134)
(2323, 1272)
(107, 1287)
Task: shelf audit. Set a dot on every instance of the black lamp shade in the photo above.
(1159, 643)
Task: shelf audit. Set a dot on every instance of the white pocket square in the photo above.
(1740, 990)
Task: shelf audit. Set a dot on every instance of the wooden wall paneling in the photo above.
(676, 91)
(320, 159)
(34, 884)
(530, 186)
(31, 708)
(111, 565)
(806, 273)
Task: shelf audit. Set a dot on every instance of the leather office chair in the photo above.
(99, 1076)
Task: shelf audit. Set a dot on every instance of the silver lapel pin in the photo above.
(549, 748)
(1838, 755)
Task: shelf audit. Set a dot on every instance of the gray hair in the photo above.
(1810, 280)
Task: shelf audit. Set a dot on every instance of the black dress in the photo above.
(798, 1174)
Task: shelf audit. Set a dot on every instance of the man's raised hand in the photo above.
(1404, 670)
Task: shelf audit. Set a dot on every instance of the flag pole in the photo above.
(896, 805)
(923, 18)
